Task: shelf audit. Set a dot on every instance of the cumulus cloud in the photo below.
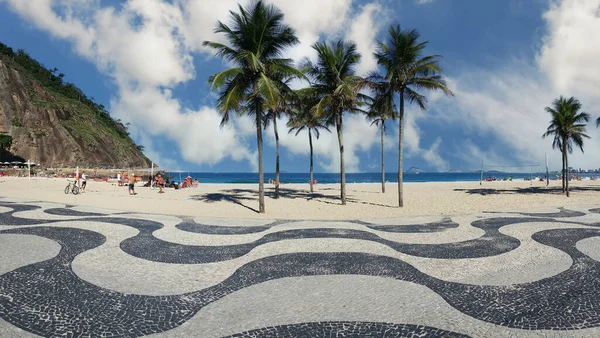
(148, 47)
(508, 103)
(363, 31)
(359, 136)
(197, 131)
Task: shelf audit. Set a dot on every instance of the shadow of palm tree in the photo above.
(237, 196)
(525, 191)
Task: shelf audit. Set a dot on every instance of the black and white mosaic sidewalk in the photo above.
(80, 272)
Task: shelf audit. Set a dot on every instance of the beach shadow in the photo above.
(236, 196)
(525, 191)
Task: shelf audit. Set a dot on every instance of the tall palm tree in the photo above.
(256, 39)
(381, 110)
(337, 86)
(274, 112)
(567, 126)
(301, 119)
(406, 72)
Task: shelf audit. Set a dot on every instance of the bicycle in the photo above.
(72, 188)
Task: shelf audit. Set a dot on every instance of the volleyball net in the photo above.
(508, 169)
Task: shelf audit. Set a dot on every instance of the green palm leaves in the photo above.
(406, 72)
(382, 109)
(567, 127)
(256, 39)
(337, 89)
(302, 118)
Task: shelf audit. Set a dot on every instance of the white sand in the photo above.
(364, 200)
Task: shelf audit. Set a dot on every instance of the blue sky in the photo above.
(505, 61)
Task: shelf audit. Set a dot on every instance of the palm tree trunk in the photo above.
(567, 169)
(342, 170)
(276, 157)
(382, 158)
(563, 172)
(311, 160)
(261, 173)
(400, 149)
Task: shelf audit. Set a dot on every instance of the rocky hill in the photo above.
(54, 123)
(414, 170)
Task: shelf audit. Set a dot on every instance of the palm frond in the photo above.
(567, 124)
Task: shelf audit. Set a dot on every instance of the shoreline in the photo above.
(365, 200)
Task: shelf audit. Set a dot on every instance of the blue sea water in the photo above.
(248, 178)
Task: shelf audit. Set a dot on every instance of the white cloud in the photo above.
(363, 31)
(433, 158)
(508, 103)
(568, 56)
(148, 47)
(197, 132)
(359, 136)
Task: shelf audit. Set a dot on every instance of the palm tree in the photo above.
(407, 71)
(382, 109)
(302, 118)
(337, 87)
(567, 126)
(256, 39)
(273, 113)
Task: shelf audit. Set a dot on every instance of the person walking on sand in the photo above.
(83, 181)
(132, 185)
(161, 184)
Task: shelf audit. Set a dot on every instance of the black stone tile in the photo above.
(48, 299)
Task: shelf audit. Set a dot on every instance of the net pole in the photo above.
(481, 177)
(531, 176)
(547, 172)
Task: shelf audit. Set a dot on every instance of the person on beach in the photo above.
(132, 184)
(83, 181)
(161, 184)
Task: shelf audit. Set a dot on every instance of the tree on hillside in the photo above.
(256, 37)
(337, 86)
(567, 126)
(5, 142)
(302, 118)
(381, 110)
(407, 71)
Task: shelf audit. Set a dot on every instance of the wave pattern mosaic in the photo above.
(81, 272)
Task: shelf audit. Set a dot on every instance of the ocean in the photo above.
(250, 178)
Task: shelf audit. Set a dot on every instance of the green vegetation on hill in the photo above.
(54, 83)
(87, 121)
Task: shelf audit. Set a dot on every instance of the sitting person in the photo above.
(195, 183)
(187, 182)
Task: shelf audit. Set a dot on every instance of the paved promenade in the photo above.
(86, 272)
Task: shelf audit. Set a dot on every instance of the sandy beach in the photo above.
(296, 202)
